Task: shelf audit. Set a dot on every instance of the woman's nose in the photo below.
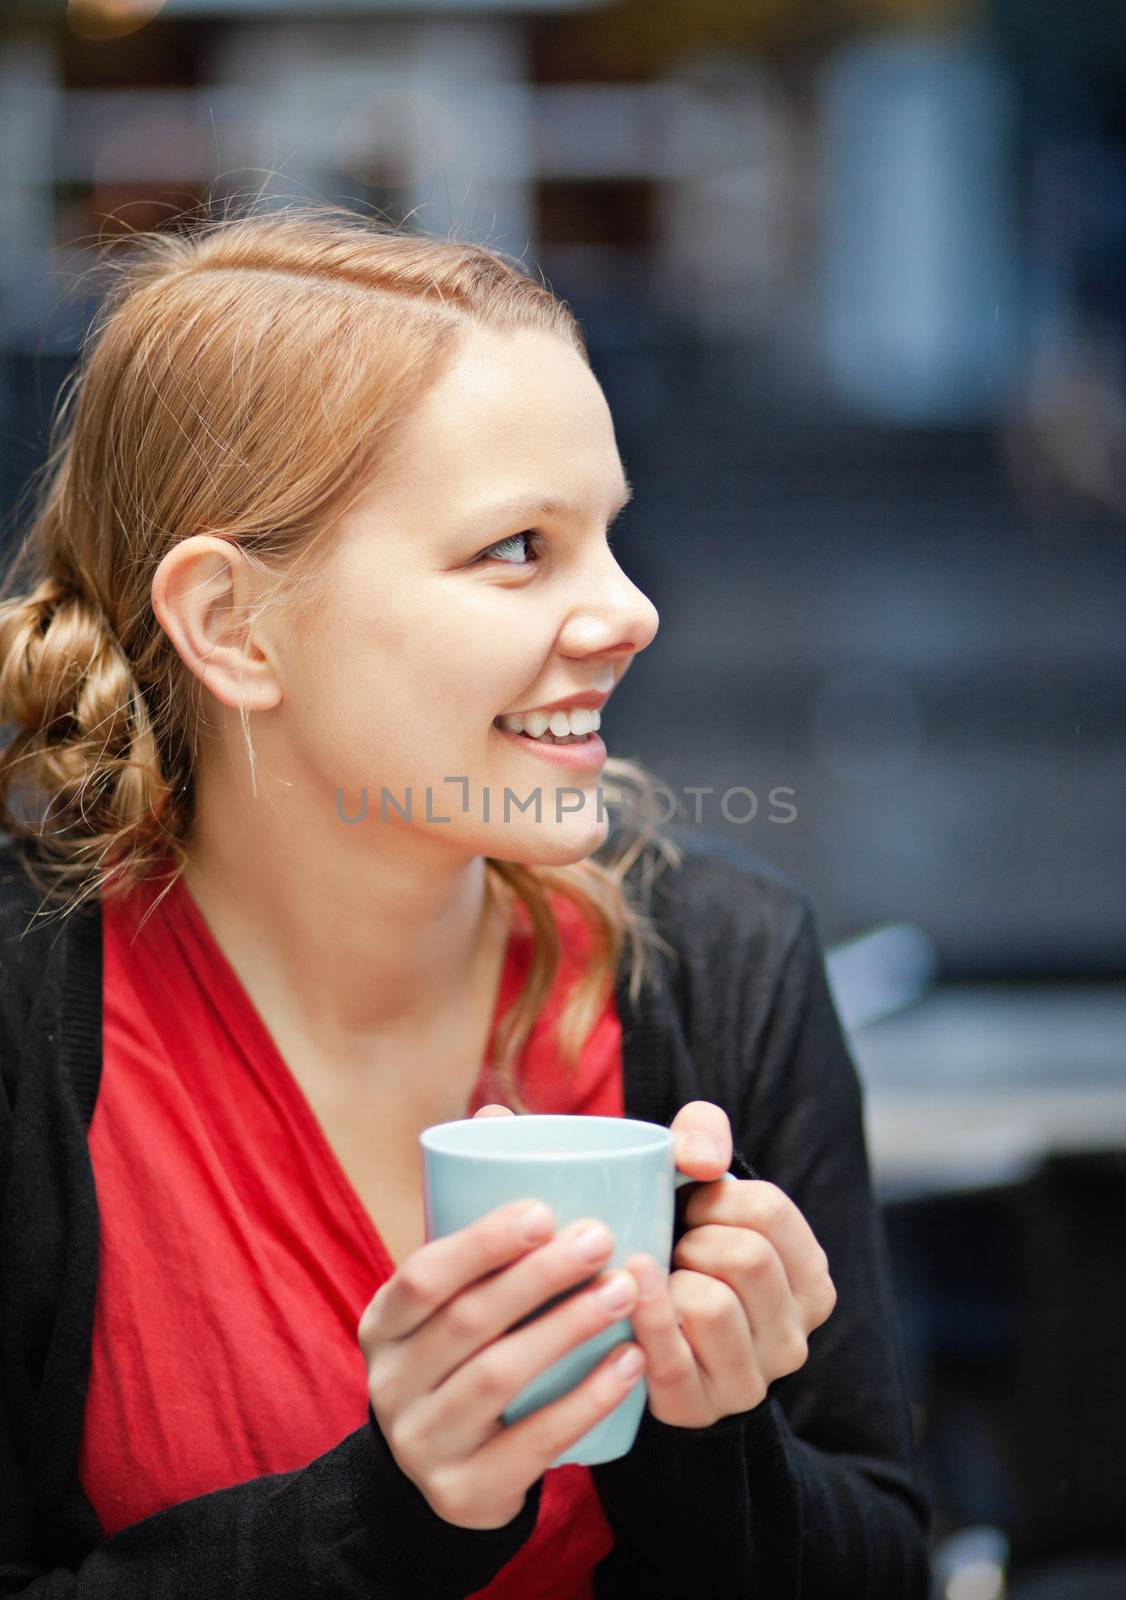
(612, 615)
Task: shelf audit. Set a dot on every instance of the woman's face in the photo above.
(444, 610)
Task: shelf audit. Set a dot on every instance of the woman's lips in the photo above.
(586, 755)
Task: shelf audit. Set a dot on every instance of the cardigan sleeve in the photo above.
(347, 1525)
(814, 1492)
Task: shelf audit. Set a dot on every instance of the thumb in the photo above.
(493, 1111)
(703, 1139)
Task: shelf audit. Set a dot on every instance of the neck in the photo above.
(355, 946)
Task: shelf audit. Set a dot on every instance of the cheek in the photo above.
(344, 696)
(396, 701)
(399, 680)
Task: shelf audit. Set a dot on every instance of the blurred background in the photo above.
(853, 276)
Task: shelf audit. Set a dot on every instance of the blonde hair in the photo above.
(246, 373)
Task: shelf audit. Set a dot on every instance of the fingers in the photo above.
(493, 1111)
(443, 1267)
(716, 1330)
(756, 1204)
(495, 1305)
(748, 1264)
(669, 1359)
(464, 1410)
(702, 1361)
(516, 1456)
(703, 1140)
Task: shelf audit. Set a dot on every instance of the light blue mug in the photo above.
(615, 1169)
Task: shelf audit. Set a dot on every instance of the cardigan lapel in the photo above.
(80, 1017)
(658, 1070)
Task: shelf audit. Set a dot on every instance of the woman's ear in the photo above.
(202, 594)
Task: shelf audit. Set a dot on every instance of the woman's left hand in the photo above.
(749, 1285)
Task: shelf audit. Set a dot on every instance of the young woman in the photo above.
(300, 670)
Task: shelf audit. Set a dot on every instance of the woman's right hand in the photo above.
(442, 1363)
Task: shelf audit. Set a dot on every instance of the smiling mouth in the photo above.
(547, 737)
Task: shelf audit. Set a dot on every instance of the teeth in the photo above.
(560, 723)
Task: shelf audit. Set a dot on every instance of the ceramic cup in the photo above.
(617, 1170)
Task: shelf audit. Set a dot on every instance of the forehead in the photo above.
(522, 408)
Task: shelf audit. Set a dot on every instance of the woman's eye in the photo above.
(512, 543)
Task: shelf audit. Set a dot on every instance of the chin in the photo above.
(551, 844)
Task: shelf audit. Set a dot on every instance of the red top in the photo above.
(235, 1255)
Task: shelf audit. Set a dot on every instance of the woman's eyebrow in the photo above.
(535, 506)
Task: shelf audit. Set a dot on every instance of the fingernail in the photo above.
(617, 1292)
(700, 1146)
(593, 1242)
(629, 1362)
(534, 1223)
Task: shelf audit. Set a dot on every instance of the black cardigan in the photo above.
(812, 1493)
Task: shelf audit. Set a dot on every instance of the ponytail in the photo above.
(80, 766)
